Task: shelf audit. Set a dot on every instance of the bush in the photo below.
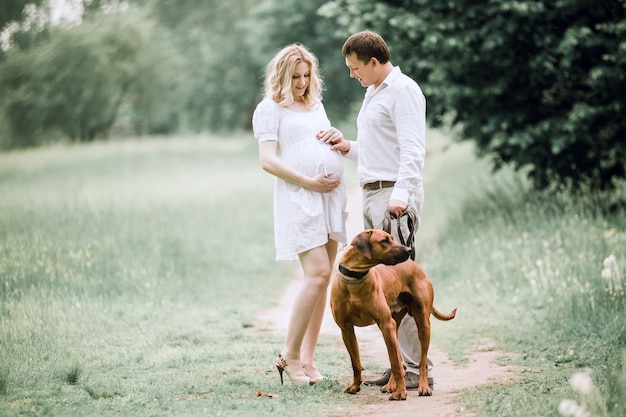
(77, 79)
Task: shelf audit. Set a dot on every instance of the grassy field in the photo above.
(544, 275)
(132, 275)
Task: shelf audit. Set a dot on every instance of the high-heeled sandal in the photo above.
(314, 375)
(282, 366)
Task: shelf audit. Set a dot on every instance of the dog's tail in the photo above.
(443, 317)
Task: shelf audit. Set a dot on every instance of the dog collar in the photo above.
(358, 276)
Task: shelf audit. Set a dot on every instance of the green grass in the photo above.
(132, 275)
(544, 275)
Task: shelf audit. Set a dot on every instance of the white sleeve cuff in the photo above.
(352, 153)
(400, 195)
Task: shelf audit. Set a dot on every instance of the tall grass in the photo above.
(544, 274)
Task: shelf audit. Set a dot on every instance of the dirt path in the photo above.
(449, 378)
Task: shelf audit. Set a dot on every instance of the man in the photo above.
(390, 153)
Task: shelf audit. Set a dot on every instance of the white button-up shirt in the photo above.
(391, 136)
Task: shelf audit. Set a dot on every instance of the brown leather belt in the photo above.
(378, 185)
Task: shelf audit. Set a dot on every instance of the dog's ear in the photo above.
(362, 244)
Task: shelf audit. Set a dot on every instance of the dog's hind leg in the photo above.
(422, 320)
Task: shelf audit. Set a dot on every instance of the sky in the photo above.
(65, 10)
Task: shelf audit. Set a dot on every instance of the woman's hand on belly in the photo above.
(324, 183)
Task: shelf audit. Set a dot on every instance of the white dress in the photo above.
(303, 218)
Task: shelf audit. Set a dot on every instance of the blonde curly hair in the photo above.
(280, 70)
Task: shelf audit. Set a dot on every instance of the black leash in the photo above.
(411, 219)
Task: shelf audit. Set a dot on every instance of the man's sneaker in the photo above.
(382, 380)
(412, 381)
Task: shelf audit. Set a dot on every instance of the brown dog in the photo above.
(377, 283)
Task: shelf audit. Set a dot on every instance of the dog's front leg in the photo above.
(349, 339)
(396, 385)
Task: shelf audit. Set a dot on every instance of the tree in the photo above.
(12, 12)
(537, 84)
(76, 81)
(219, 43)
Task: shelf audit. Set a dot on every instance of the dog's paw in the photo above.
(352, 389)
(388, 388)
(392, 386)
(398, 396)
(425, 392)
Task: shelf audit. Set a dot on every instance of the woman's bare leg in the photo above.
(306, 306)
(309, 343)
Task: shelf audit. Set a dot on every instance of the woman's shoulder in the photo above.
(267, 104)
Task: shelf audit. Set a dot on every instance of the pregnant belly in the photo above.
(320, 159)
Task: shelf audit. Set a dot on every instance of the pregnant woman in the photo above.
(309, 196)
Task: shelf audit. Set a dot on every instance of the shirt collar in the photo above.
(389, 79)
(392, 76)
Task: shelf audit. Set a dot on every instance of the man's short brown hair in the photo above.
(367, 45)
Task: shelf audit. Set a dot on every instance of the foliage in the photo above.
(219, 42)
(219, 50)
(14, 15)
(12, 10)
(224, 48)
(537, 84)
(76, 81)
